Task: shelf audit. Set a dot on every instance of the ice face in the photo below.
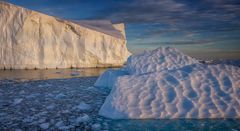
(34, 40)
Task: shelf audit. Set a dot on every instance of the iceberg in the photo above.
(178, 87)
(30, 39)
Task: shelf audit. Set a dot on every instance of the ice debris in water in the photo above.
(17, 101)
(96, 127)
(83, 118)
(83, 106)
(44, 125)
(59, 96)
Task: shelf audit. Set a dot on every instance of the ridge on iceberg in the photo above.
(30, 39)
(182, 90)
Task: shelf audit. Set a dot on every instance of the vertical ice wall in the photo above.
(29, 39)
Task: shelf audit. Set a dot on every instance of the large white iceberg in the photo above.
(30, 39)
(178, 90)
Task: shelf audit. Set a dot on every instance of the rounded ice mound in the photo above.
(194, 91)
(109, 77)
(163, 58)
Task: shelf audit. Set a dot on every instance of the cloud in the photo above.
(171, 11)
(142, 11)
(171, 43)
(188, 19)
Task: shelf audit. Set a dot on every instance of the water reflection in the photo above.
(25, 75)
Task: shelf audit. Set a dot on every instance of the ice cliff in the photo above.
(165, 84)
(30, 39)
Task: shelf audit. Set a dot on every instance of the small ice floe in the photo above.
(91, 88)
(50, 107)
(29, 119)
(17, 101)
(32, 109)
(22, 92)
(84, 118)
(64, 128)
(59, 124)
(44, 126)
(42, 120)
(50, 95)
(33, 95)
(83, 106)
(41, 114)
(59, 96)
(65, 111)
(45, 85)
(96, 127)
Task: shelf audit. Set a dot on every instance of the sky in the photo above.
(206, 29)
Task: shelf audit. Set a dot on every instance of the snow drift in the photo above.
(33, 40)
(186, 89)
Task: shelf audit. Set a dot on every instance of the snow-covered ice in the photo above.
(165, 83)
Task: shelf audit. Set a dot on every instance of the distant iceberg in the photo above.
(165, 84)
(30, 39)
